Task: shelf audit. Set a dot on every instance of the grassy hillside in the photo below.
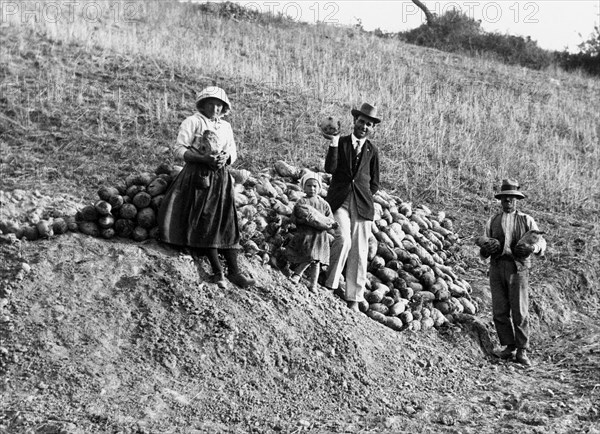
(452, 124)
(113, 336)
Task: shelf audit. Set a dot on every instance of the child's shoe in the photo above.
(313, 277)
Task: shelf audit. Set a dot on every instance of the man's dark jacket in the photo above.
(359, 177)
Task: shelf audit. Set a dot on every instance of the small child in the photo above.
(310, 245)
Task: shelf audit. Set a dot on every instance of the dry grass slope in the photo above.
(452, 124)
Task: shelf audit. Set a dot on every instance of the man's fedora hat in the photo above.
(368, 110)
(510, 187)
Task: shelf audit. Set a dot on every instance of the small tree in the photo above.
(592, 45)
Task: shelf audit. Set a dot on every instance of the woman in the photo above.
(198, 210)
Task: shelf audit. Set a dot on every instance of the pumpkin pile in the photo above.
(410, 285)
(128, 209)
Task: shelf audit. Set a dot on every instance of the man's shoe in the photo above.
(240, 280)
(353, 305)
(507, 353)
(522, 357)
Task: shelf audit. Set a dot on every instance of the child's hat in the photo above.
(310, 175)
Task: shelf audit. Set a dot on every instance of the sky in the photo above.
(554, 24)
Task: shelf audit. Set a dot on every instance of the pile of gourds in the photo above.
(410, 284)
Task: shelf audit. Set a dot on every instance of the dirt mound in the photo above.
(112, 336)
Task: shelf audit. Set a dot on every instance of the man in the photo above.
(509, 271)
(353, 162)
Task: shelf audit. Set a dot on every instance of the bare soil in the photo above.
(116, 336)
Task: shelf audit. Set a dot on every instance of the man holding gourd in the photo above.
(511, 237)
(353, 162)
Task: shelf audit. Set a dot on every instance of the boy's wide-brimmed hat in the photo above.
(214, 92)
(368, 110)
(510, 187)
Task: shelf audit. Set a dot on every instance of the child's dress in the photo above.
(310, 244)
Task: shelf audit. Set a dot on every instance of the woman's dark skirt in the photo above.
(193, 216)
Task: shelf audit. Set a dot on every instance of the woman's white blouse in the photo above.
(195, 125)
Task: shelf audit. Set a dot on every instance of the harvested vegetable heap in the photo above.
(410, 284)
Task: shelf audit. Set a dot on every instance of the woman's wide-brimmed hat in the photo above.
(368, 110)
(510, 187)
(214, 92)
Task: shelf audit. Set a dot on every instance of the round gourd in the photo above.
(427, 279)
(116, 201)
(379, 307)
(377, 316)
(131, 180)
(167, 178)
(106, 192)
(386, 274)
(44, 229)
(12, 228)
(139, 234)
(157, 201)
(406, 317)
(128, 211)
(30, 233)
(121, 188)
(108, 233)
(134, 189)
(103, 207)
(388, 301)
(71, 223)
(398, 308)
(89, 213)
(424, 296)
(386, 252)
(144, 178)
(156, 187)
(142, 200)
(89, 228)
(163, 168)
(124, 227)
(106, 221)
(394, 323)
(146, 218)
(445, 307)
(154, 233)
(427, 323)
(330, 125)
(59, 226)
(377, 262)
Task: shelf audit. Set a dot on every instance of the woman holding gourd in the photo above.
(198, 210)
